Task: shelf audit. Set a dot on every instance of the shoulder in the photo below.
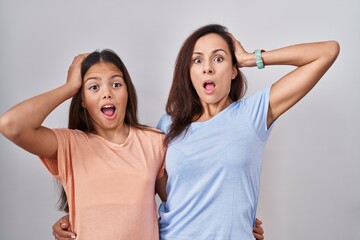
(149, 133)
(66, 131)
(148, 139)
(68, 134)
(164, 123)
(259, 97)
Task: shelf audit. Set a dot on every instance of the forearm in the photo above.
(295, 55)
(30, 114)
(302, 54)
(160, 187)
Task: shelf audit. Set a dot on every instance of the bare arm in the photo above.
(22, 124)
(160, 187)
(311, 60)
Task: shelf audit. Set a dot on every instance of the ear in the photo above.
(234, 72)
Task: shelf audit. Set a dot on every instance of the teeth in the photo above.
(107, 106)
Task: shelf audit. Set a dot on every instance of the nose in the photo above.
(107, 96)
(208, 68)
(107, 93)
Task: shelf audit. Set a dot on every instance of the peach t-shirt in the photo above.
(110, 187)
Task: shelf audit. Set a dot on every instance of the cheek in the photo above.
(89, 101)
(124, 98)
(196, 79)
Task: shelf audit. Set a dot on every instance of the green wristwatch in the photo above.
(258, 59)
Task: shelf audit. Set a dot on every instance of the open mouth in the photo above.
(209, 86)
(108, 110)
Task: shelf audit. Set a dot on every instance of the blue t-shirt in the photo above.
(214, 174)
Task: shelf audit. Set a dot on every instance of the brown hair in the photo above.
(80, 119)
(183, 104)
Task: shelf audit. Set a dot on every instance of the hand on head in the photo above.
(74, 72)
(242, 56)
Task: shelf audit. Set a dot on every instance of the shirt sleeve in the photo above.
(257, 106)
(164, 123)
(162, 157)
(61, 166)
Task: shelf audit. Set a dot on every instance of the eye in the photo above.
(218, 59)
(197, 60)
(93, 87)
(116, 85)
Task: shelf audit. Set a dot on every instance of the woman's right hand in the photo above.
(243, 58)
(61, 229)
(74, 71)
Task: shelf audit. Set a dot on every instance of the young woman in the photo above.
(108, 163)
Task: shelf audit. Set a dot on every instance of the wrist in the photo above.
(247, 60)
(258, 58)
(72, 88)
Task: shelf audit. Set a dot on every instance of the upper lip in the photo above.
(208, 81)
(108, 105)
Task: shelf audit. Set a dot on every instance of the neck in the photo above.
(117, 135)
(212, 109)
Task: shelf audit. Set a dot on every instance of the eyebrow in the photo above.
(98, 79)
(214, 51)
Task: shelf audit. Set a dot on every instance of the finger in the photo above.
(58, 226)
(64, 226)
(61, 238)
(79, 58)
(231, 36)
(258, 230)
(258, 236)
(237, 44)
(62, 233)
(258, 221)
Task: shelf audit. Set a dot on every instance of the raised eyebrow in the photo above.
(99, 79)
(219, 50)
(91, 78)
(118, 75)
(214, 51)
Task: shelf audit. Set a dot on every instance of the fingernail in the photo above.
(63, 224)
(73, 237)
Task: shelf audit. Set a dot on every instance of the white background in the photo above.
(311, 170)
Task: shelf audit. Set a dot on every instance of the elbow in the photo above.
(9, 128)
(334, 49)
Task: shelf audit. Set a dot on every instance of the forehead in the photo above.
(103, 68)
(210, 42)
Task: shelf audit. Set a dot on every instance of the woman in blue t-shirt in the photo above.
(216, 138)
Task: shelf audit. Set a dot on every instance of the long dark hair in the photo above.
(80, 119)
(183, 104)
